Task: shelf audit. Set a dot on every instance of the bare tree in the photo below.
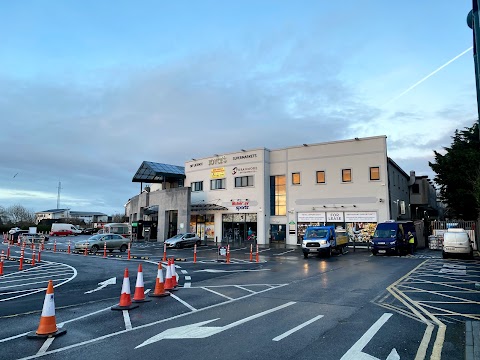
(118, 218)
(19, 214)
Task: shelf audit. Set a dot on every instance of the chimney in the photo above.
(412, 178)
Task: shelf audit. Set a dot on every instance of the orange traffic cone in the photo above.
(169, 281)
(139, 295)
(125, 300)
(159, 286)
(48, 324)
(174, 274)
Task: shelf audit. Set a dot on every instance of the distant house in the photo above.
(56, 214)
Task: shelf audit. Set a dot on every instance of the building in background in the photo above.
(270, 196)
(50, 216)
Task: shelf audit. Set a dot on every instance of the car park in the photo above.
(97, 242)
(183, 240)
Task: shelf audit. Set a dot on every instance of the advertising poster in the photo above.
(210, 230)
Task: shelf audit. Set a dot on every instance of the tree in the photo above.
(458, 174)
(118, 218)
(19, 215)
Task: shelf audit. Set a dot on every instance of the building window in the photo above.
(415, 188)
(375, 173)
(320, 177)
(197, 186)
(278, 195)
(346, 175)
(295, 178)
(217, 184)
(243, 181)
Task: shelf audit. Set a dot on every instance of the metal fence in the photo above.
(440, 227)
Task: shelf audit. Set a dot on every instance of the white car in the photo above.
(13, 230)
(457, 242)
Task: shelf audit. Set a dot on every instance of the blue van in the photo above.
(391, 237)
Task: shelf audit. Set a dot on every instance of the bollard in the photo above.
(257, 259)
(1, 264)
(39, 252)
(68, 249)
(251, 252)
(8, 251)
(228, 254)
(104, 249)
(86, 250)
(128, 254)
(20, 267)
(33, 257)
(195, 254)
(55, 246)
(164, 252)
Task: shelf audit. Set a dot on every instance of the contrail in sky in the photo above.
(429, 75)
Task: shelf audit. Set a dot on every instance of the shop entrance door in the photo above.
(278, 233)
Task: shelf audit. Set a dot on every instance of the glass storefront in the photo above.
(239, 228)
(203, 225)
(278, 233)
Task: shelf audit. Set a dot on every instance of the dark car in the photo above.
(18, 233)
(87, 231)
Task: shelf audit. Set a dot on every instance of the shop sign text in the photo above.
(218, 161)
(240, 205)
(335, 216)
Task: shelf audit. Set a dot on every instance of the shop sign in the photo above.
(217, 173)
(243, 170)
(240, 205)
(242, 157)
(311, 217)
(196, 164)
(361, 216)
(335, 216)
(218, 161)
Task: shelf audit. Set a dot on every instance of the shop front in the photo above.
(360, 225)
(203, 225)
(239, 228)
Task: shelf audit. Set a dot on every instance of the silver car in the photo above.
(96, 243)
(182, 240)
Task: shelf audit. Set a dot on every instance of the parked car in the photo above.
(13, 230)
(96, 242)
(182, 240)
(61, 232)
(18, 233)
(33, 238)
(457, 242)
(87, 231)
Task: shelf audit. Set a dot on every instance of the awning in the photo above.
(152, 172)
(206, 207)
(151, 210)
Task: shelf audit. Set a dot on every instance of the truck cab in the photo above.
(390, 237)
(323, 239)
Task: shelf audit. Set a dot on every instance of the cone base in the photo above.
(141, 300)
(166, 293)
(172, 289)
(34, 335)
(129, 307)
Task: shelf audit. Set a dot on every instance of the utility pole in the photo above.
(473, 21)
(58, 194)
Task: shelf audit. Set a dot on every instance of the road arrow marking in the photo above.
(103, 284)
(198, 331)
(355, 352)
(228, 271)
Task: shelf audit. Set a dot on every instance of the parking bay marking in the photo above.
(296, 328)
(228, 271)
(198, 331)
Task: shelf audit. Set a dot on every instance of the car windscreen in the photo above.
(178, 236)
(387, 230)
(95, 237)
(316, 233)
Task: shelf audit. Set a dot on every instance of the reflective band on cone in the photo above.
(48, 324)
(174, 274)
(169, 281)
(139, 295)
(125, 299)
(159, 285)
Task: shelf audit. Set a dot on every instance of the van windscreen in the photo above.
(316, 233)
(386, 230)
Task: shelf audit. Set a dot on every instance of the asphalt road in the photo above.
(353, 306)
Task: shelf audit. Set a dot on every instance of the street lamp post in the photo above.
(473, 22)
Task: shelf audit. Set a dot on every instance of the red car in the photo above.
(61, 232)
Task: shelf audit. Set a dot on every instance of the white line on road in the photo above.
(126, 318)
(183, 302)
(285, 252)
(45, 346)
(217, 293)
(296, 328)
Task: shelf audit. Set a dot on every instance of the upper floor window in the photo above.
(320, 177)
(375, 173)
(296, 178)
(346, 175)
(415, 188)
(243, 181)
(217, 184)
(197, 186)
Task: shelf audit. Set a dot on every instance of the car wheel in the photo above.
(110, 250)
(123, 248)
(198, 243)
(178, 246)
(374, 252)
(94, 249)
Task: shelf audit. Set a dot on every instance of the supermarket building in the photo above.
(272, 195)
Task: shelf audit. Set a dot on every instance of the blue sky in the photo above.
(89, 89)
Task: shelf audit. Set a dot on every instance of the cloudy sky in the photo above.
(90, 89)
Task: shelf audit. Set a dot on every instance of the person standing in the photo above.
(411, 242)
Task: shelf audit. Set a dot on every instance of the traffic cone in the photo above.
(125, 300)
(139, 295)
(159, 286)
(169, 281)
(48, 324)
(1, 264)
(174, 274)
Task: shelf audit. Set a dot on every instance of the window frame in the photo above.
(246, 178)
(344, 173)
(324, 177)
(370, 173)
(299, 178)
(223, 182)
(194, 187)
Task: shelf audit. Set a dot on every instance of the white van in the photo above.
(457, 242)
(64, 229)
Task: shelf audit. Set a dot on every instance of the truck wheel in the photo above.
(444, 255)
(305, 255)
(329, 253)
(374, 252)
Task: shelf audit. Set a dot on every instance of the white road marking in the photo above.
(187, 278)
(126, 318)
(229, 271)
(217, 293)
(355, 352)
(198, 331)
(453, 271)
(45, 346)
(286, 252)
(243, 288)
(103, 284)
(183, 302)
(296, 328)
